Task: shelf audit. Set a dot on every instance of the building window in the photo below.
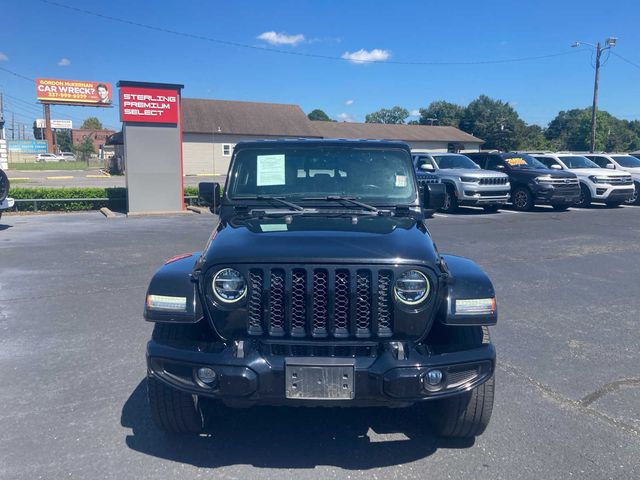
(226, 150)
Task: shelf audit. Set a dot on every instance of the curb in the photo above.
(107, 213)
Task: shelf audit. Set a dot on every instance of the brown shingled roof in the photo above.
(244, 118)
(381, 131)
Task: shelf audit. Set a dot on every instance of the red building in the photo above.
(99, 137)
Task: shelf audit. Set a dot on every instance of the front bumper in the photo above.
(7, 203)
(474, 194)
(609, 193)
(247, 376)
(553, 195)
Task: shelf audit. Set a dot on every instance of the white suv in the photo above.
(623, 162)
(596, 184)
(48, 157)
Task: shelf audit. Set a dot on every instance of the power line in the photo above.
(229, 43)
(626, 60)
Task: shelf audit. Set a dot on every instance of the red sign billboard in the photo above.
(74, 92)
(148, 105)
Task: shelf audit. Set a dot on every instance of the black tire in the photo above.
(585, 197)
(4, 185)
(468, 414)
(522, 199)
(172, 410)
(450, 200)
(491, 208)
(635, 200)
(560, 207)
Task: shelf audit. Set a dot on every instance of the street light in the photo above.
(610, 43)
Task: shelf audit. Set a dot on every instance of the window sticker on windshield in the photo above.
(516, 161)
(270, 170)
(401, 181)
(273, 227)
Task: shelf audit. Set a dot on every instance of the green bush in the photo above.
(116, 198)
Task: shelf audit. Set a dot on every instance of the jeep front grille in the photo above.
(494, 180)
(322, 302)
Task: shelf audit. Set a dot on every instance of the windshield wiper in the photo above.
(279, 200)
(352, 201)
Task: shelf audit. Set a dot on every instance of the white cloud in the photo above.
(364, 56)
(275, 38)
(415, 113)
(3, 57)
(64, 62)
(348, 102)
(345, 117)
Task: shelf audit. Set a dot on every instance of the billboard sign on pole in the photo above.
(55, 124)
(74, 92)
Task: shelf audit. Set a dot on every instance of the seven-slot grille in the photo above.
(494, 180)
(320, 302)
(425, 179)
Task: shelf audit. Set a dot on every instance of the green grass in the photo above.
(50, 166)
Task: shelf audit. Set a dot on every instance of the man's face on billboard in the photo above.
(103, 93)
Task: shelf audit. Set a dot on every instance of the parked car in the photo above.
(596, 184)
(436, 188)
(67, 157)
(622, 162)
(5, 201)
(532, 183)
(48, 157)
(321, 286)
(466, 183)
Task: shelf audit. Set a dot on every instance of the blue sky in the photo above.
(36, 37)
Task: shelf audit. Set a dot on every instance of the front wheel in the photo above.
(585, 197)
(522, 199)
(466, 415)
(635, 199)
(450, 204)
(172, 410)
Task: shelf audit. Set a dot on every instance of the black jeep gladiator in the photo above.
(321, 286)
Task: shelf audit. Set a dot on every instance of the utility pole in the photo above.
(594, 107)
(13, 126)
(610, 43)
(47, 128)
(1, 117)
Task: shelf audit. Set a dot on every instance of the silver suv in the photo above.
(466, 183)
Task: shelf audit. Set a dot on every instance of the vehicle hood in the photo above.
(467, 172)
(321, 239)
(635, 171)
(536, 172)
(601, 172)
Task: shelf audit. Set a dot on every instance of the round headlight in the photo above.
(411, 287)
(229, 285)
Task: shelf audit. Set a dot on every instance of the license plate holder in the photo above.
(319, 379)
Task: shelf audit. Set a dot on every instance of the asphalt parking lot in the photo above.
(568, 384)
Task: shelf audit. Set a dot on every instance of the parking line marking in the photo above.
(440, 215)
(19, 178)
(61, 177)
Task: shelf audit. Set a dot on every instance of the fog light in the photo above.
(206, 375)
(434, 377)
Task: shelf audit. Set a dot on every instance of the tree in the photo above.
(92, 123)
(571, 129)
(63, 140)
(494, 121)
(318, 114)
(84, 149)
(444, 113)
(393, 115)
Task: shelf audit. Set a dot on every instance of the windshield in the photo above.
(374, 175)
(522, 160)
(578, 161)
(626, 161)
(455, 161)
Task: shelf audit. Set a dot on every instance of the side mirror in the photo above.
(611, 166)
(433, 196)
(209, 195)
(555, 166)
(427, 166)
